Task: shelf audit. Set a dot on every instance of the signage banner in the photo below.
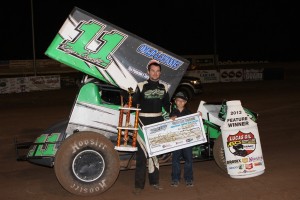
(242, 146)
(253, 74)
(168, 136)
(112, 54)
(28, 84)
(231, 75)
(35, 83)
(206, 76)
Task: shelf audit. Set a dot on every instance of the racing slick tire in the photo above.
(219, 153)
(86, 164)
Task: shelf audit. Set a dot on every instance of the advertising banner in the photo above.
(110, 53)
(28, 84)
(167, 136)
(35, 83)
(209, 76)
(206, 76)
(253, 74)
(241, 142)
(231, 75)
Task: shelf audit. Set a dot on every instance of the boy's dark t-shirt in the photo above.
(176, 112)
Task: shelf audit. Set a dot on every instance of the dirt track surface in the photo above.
(24, 115)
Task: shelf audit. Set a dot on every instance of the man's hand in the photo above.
(200, 113)
(125, 110)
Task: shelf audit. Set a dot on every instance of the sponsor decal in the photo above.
(241, 144)
(256, 158)
(160, 56)
(244, 160)
(45, 145)
(229, 162)
(189, 139)
(241, 166)
(92, 44)
(234, 167)
(166, 145)
(258, 163)
(249, 166)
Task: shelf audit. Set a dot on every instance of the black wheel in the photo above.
(219, 153)
(87, 164)
(186, 91)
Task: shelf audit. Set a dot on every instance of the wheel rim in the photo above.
(88, 165)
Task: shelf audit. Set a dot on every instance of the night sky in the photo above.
(244, 30)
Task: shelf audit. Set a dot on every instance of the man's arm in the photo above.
(167, 103)
(136, 97)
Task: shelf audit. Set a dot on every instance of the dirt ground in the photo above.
(24, 115)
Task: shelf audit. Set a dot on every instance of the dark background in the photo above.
(244, 30)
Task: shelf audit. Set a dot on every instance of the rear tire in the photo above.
(219, 154)
(87, 164)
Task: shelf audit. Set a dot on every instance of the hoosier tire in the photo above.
(219, 154)
(86, 164)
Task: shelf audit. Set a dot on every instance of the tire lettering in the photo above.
(102, 186)
(76, 146)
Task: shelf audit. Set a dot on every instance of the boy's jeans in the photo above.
(187, 155)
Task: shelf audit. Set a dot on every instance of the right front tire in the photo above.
(87, 164)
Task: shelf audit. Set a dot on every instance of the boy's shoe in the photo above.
(157, 186)
(137, 191)
(175, 183)
(189, 184)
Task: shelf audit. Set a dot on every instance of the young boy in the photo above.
(186, 153)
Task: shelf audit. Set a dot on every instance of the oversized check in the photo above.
(170, 135)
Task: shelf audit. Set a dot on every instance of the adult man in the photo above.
(152, 96)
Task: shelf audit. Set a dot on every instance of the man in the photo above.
(152, 96)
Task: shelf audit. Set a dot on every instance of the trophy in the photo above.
(124, 129)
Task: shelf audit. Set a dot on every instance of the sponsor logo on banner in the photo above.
(229, 162)
(30, 83)
(231, 75)
(241, 144)
(206, 76)
(249, 166)
(258, 163)
(253, 74)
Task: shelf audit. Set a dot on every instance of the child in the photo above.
(186, 153)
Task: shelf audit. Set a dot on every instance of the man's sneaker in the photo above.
(157, 186)
(189, 184)
(137, 191)
(175, 183)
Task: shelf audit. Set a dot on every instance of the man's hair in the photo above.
(154, 64)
